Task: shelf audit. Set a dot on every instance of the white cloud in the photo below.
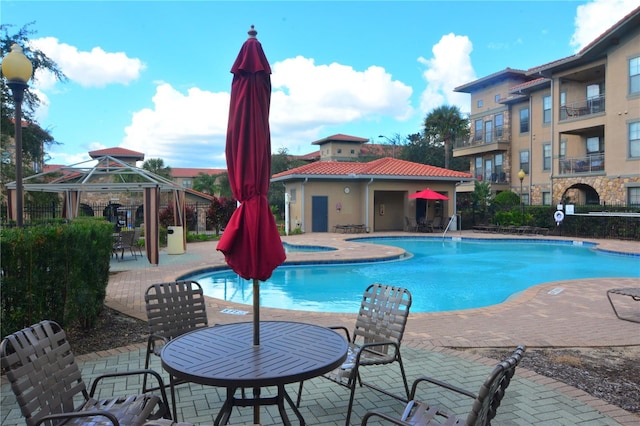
(308, 97)
(450, 67)
(305, 99)
(594, 18)
(181, 129)
(95, 68)
(66, 158)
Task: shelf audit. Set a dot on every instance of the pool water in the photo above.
(442, 275)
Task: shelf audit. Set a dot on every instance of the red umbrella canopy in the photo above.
(428, 194)
(250, 242)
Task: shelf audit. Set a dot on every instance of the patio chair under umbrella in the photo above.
(428, 194)
(251, 242)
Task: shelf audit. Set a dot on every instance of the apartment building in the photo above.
(572, 125)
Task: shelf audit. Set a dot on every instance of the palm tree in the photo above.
(156, 165)
(445, 124)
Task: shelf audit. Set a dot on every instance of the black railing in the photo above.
(498, 135)
(582, 108)
(592, 163)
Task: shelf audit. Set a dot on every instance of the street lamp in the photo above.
(393, 143)
(521, 175)
(17, 69)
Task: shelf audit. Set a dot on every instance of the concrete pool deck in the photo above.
(572, 313)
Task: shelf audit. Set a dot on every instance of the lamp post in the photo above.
(17, 69)
(393, 143)
(521, 175)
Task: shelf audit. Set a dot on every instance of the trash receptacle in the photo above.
(175, 240)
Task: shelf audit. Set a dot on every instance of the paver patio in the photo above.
(580, 316)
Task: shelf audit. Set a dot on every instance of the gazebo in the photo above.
(107, 174)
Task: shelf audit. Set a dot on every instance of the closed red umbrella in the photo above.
(251, 243)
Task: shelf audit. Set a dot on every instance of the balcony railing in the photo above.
(499, 134)
(582, 108)
(588, 164)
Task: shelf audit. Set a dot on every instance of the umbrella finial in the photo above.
(252, 32)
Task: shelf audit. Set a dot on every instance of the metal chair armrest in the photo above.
(342, 328)
(441, 384)
(61, 416)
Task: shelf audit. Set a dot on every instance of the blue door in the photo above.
(319, 214)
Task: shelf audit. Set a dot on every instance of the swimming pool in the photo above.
(442, 275)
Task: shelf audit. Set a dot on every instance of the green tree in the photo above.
(444, 125)
(156, 165)
(280, 162)
(205, 183)
(35, 140)
(481, 197)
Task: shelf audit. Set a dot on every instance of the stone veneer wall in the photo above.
(611, 190)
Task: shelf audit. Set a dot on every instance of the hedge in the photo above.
(55, 271)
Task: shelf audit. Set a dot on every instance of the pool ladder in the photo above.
(451, 219)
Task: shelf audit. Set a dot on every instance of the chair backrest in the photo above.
(382, 316)
(174, 308)
(42, 371)
(127, 238)
(493, 389)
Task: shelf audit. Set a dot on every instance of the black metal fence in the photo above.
(121, 215)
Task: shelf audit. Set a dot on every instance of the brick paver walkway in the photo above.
(579, 315)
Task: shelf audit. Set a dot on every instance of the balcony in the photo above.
(592, 163)
(481, 142)
(583, 108)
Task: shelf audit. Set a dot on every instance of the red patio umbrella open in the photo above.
(251, 243)
(428, 194)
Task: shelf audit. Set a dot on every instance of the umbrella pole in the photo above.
(256, 341)
(256, 312)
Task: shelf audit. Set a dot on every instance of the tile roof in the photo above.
(340, 138)
(386, 167)
(177, 172)
(117, 153)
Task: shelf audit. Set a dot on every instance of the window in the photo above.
(634, 139)
(634, 75)
(546, 156)
(546, 109)
(563, 98)
(477, 134)
(593, 145)
(633, 195)
(292, 196)
(353, 151)
(524, 120)
(479, 103)
(563, 149)
(546, 198)
(186, 183)
(500, 176)
(497, 98)
(488, 131)
(488, 168)
(499, 125)
(524, 161)
(479, 168)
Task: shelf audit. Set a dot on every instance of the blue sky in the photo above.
(153, 76)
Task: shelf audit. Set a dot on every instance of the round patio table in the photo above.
(224, 356)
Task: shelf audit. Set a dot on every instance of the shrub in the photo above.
(54, 271)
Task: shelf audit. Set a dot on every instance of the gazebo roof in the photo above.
(86, 177)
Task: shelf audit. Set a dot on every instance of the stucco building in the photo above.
(340, 191)
(572, 125)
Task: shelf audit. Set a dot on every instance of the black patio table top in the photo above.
(224, 356)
